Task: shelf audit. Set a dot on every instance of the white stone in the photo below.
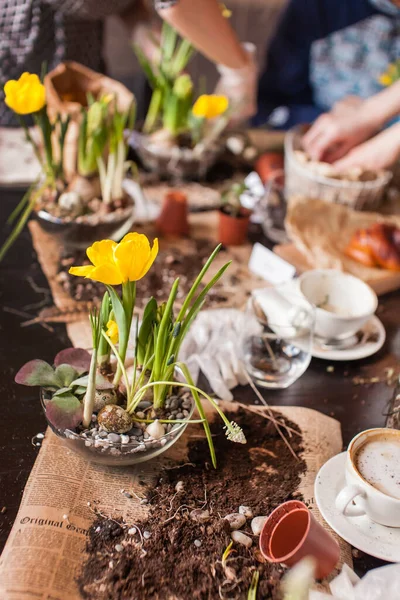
(241, 538)
(235, 520)
(257, 524)
(246, 511)
(156, 430)
(179, 486)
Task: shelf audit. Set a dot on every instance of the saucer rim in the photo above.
(376, 554)
(347, 354)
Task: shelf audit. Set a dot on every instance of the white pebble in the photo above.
(156, 430)
(197, 543)
(124, 439)
(119, 547)
(241, 538)
(40, 436)
(246, 511)
(146, 535)
(132, 531)
(179, 486)
(235, 520)
(257, 524)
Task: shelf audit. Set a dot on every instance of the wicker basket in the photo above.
(300, 181)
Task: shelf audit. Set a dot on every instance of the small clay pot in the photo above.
(292, 533)
(268, 163)
(232, 231)
(173, 219)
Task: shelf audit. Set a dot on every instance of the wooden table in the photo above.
(24, 291)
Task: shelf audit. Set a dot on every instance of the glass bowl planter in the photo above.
(106, 452)
(84, 231)
(175, 161)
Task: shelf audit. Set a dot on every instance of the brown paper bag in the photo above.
(67, 87)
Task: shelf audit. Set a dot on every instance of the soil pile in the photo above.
(175, 556)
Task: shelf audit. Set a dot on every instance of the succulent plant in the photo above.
(66, 383)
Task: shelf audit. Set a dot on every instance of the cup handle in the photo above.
(344, 499)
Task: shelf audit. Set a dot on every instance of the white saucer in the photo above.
(376, 540)
(372, 328)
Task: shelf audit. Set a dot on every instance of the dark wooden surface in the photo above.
(24, 291)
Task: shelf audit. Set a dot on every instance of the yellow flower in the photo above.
(25, 96)
(385, 79)
(114, 263)
(112, 331)
(209, 107)
(226, 13)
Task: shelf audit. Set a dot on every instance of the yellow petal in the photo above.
(385, 79)
(84, 271)
(26, 95)
(200, 106)
(210, 106)
(102, 252)
(134, 256)
(112, 331)
(107, 273)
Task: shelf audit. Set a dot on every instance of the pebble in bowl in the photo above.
(343, 302)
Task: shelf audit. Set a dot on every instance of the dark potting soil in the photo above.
(169, 265)
(182, 558)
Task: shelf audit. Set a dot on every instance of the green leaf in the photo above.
(145, 338)
(102, 382)
(252, 594)
(78, 358)
(65, 374)
(64, 412)
(38, 373)
(62, 391)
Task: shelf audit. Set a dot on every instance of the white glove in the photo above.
(240, 86)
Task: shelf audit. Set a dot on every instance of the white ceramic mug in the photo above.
(360, 497)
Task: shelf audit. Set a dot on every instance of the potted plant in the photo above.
(92, 203)
(234, 218)
(180, 137)
(106, 414)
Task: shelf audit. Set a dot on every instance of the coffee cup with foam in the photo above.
(373, 477)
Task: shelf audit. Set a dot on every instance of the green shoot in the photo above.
(252, 594)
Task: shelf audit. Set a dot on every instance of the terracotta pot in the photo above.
(268, 163)
(232, 231)
(292, 533)
(173, 219)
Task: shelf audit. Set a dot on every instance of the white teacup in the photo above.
(344, 302)
(373, 477)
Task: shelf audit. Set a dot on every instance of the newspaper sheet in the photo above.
(45, 549)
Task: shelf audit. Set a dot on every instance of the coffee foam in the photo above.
(378, 462)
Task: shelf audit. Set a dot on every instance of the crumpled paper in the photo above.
(379, 584)
(213, 346)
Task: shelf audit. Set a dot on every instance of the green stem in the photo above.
(120, 363)
(195, 393)
(128, 303)
(30, 139)
(88, 402)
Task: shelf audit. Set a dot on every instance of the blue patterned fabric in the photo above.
(326, 50)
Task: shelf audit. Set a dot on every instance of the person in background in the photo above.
(353, 134)
(205, 23)
(37, 32)
(324, 51)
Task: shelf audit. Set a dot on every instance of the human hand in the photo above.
(376, 154)
(335, 133)
(240, 86)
